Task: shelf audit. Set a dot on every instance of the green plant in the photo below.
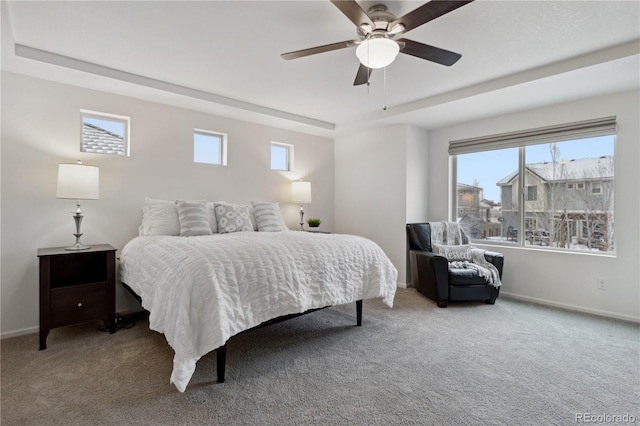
(314, 222)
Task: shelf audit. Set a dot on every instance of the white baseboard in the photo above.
(401, 285)
(571, 307)
(21, 332)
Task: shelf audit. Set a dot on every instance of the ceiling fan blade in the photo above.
(430, 53)
(362, 77)
(425, 13)
(354, 12)
(319, 49)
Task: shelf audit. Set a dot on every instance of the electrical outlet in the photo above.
(602, 284)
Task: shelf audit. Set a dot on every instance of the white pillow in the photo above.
(453, 253)
(233, 218)
(268, 217)
(211, 213)
(159, 217)
(194, 218)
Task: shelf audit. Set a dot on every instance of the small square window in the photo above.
(571, 186)
(596, 188)
(104, 133)
(580, 185)
(281, 156)
(209, 147)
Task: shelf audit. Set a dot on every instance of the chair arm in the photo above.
(495, 258)
(430, 274)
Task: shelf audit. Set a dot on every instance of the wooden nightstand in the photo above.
(76, 286)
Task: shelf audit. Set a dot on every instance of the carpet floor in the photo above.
(512, 363)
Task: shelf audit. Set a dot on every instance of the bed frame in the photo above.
(221, 352)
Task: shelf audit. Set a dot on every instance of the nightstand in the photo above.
(76, 286)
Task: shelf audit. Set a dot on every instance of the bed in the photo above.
(202, 290)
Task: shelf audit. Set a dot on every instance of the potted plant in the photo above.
(313, 222)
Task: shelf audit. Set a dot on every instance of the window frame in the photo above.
(289, 148)
(222, 149)
(123, 119)
(552, 134)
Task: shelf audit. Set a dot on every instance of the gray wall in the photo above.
(41, 128)
(560, 278)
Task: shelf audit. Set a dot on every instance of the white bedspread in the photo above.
(200, 291)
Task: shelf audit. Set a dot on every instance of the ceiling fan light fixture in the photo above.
(377, 52)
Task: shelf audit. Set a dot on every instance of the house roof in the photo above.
(468, 187)
(578, 169)
(98, 140)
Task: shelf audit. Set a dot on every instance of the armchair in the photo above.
(433, 276)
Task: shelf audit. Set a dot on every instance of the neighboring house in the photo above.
(566, 203)
(469, 197)
(478, 216)
(98, 140)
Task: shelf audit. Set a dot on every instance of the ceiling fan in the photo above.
(377, 30)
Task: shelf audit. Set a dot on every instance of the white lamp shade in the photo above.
(78, 182)
(377, 52)
(301, 192)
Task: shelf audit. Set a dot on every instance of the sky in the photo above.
(490, 166)
(111, 126)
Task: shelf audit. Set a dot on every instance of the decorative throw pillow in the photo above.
(268, 217)
(193, 217)
(159, 217)
(211, 214)
(454, 253)
(233, 218)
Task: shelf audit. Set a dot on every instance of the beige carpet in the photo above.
(508, 364)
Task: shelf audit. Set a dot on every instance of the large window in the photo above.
(550, 187)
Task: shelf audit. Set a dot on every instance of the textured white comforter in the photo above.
(200, 291)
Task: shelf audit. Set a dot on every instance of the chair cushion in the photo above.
(462, 277)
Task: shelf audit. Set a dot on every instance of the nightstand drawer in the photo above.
(70, 305)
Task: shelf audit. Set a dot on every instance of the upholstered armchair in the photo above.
(441, 280)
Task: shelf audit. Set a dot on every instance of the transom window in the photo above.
(209, 147)
(550, 187)
(281, 156)
(104, 133)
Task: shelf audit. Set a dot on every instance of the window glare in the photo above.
(207, 148)
(279, 157)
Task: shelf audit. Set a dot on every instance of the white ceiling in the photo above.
(224, 57)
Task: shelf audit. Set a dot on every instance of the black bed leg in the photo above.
(359, 312)
(221, 355)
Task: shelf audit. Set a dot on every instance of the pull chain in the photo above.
(384, 89)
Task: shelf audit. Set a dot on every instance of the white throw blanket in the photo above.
(449, 240)
(447, 233)
(200, 291)
(478, 262)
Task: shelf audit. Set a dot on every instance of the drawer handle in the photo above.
(80, 305)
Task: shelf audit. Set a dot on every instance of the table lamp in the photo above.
(78, 182)
(301, 194)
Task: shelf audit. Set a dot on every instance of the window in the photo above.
(209, 147)
(281, 156)
(104, 133)
(596, 188)
(555, 184)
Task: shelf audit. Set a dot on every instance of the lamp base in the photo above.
(77, 247)
(301, 218)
